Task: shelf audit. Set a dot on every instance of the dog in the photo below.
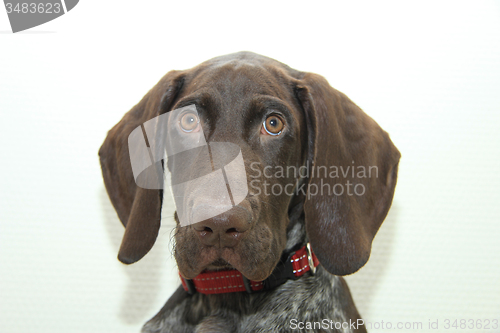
(271, 261)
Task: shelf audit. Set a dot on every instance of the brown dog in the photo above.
(281, 119)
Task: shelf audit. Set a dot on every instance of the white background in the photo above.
(427, 72)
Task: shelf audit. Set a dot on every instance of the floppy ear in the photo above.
(138, 208)
(345, 205)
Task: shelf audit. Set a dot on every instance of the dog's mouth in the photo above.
(253, 255)
(219, 264)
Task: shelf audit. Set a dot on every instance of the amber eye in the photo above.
(189, 122)
(273, 125)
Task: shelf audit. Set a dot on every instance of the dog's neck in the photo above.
(296, 230)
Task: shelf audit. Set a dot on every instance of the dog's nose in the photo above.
(224, 230)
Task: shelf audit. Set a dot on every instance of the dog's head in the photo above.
(309, 154)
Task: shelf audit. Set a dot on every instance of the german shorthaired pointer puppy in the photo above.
(320, 178)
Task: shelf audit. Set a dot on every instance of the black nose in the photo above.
(224, 230)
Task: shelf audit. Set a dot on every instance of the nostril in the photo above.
(231, 230)
(203, 230)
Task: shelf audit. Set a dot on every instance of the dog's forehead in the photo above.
(234, 91)
(236, 79)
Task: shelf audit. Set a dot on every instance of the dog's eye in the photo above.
(189, 122)
(273, 125)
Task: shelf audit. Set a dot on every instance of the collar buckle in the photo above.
(312, 268)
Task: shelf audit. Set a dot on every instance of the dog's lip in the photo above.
(219, 264)
(219, 260)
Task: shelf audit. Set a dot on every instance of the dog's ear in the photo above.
(353, 171)
(139, 209)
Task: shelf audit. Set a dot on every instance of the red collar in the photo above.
(228, 281)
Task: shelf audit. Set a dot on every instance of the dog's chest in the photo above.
(301, 303)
